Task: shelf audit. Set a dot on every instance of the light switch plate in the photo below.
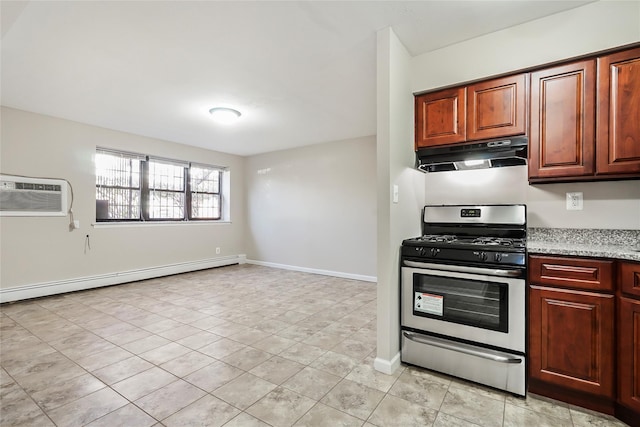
(395, 194)
(574, 201)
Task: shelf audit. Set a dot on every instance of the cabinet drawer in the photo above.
(588, 274)
(629, 277)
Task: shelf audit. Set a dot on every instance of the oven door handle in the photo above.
(464, 269)
(493, 355)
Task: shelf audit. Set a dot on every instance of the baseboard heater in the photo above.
(38, 290)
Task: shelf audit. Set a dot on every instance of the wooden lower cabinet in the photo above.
(629, 355)
(584, 333)
(571, 339)
(629, 279)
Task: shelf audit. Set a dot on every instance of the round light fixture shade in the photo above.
(224, 115)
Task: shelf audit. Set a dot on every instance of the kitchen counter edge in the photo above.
(621, 252)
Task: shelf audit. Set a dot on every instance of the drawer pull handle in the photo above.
(462, 348)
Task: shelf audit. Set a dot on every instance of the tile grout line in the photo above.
(131, 298)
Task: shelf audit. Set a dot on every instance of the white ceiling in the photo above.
(301, 72)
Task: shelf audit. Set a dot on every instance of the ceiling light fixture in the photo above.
(224, 115)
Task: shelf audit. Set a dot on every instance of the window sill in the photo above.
(155, 223)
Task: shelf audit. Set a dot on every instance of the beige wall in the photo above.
(314, 208)
(35, 250)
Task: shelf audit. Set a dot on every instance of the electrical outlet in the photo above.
(574, 201)
(217, 251)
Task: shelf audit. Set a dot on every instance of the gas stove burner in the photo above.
(453, 240)
(498, 241)
(438, 238)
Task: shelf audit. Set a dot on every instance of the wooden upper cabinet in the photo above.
(497, 108)
(618, 114)
(440, 117)
(562, 132)
(486, 110)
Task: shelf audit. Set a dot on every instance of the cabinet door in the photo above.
(629, 354)
(629, 278)
(440, 117)
(497, 108)
(562, 133)
(571, 339)
(618, 121)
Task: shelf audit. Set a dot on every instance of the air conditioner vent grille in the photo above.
(32, 196)
(30, 202)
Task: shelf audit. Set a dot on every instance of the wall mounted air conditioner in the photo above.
(32, 196)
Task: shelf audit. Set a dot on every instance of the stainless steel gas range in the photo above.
(463, 294)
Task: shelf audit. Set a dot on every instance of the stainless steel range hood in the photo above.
(476, 155)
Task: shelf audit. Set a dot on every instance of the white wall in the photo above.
(593, 27)
(314, 208)
(396, 161)
(590, 28)
(40, 251)
(612, 205)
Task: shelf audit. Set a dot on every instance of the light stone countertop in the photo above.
(630, 253)
(614, 244)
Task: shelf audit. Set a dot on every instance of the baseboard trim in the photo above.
(315, 271)
(387, 366)
(81, 283)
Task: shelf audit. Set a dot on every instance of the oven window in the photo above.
(469, 302)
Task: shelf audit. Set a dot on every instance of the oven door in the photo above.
(470, 303)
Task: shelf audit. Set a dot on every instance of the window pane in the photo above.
(117, 186)
(118, 203)
(205, 192)
(166, 205)
(205, 205)
(165, 176)
(115, 170)
(205, 180)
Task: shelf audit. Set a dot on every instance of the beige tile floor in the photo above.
(233, 346)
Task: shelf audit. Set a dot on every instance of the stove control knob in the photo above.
(482, 256)
(423, 251)
(434, 252)
(498, 257)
